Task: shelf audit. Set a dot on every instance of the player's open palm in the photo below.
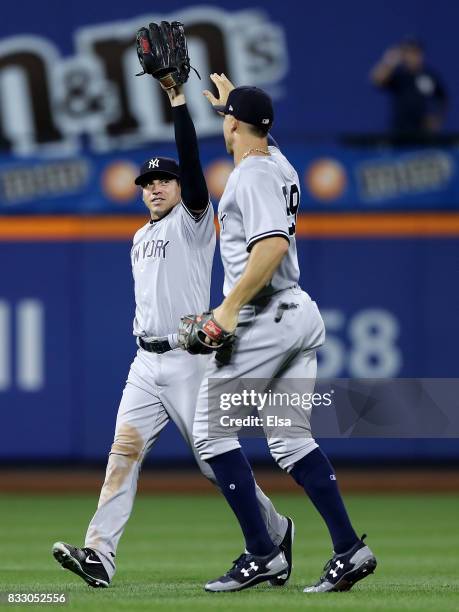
(223, 85)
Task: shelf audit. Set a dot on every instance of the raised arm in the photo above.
(382, 72)
(195, 195)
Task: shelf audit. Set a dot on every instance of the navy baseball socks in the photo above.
(313, 472)
(262, 560)
(352, 560)
(235, 478)
(316, 475)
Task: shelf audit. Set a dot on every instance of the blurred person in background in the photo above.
(418, 96)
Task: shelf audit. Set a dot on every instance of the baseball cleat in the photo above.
(343, 571)
(82, 561)
(286, 547)
(249, 570)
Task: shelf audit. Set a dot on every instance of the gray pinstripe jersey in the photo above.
(260, 200)
(171, 264)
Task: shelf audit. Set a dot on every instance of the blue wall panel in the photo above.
(86, 292)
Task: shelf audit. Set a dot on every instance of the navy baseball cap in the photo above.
(251, 105)
(157, 166)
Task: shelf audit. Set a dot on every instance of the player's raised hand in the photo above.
(223, 85)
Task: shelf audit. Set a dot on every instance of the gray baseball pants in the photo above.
(159, 388)
(274, 345)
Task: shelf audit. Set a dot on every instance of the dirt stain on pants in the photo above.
(125, 452)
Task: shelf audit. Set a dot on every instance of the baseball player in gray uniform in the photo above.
(171, 260)
(278, 330)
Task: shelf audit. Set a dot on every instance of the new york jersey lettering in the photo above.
(149, 248)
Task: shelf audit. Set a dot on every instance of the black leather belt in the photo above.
(261, 301)
(159, 345)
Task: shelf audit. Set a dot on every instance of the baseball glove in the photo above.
(194, 330)
(163, 53)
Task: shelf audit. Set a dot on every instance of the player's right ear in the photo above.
(234, 124)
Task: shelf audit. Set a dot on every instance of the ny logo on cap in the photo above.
(265, 121)
(153, 163)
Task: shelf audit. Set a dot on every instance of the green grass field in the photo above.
(173, 544)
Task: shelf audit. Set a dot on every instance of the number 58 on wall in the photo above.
(370, 349)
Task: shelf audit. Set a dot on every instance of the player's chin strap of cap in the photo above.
(155, 345)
